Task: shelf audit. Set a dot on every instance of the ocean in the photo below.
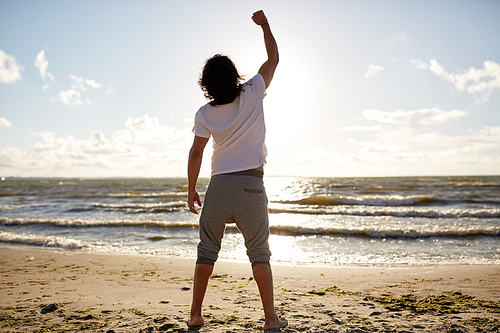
(390, 222)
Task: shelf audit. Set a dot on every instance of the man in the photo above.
(234, 118)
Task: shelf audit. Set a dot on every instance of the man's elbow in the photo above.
(275, 59)
(272, 63)
(195, 154)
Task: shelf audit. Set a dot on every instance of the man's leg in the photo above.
(202, 273)
(263, 275)
(251, 217)
(212, 225)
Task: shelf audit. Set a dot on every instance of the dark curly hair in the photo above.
(220, 80)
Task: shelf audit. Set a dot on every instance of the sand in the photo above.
(63, 291)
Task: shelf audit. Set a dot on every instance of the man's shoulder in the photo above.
(256, 85)
(203, 108)
(257, 78)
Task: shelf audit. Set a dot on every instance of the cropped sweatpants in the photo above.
(235, 198)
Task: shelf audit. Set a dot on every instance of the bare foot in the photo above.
(196, 321)
(280, 322)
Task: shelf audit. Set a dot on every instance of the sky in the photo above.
(363, 88)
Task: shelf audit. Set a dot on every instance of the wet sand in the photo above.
(63, 291)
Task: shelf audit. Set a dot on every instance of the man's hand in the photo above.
(192, 198)
(259, 18)
(194, 165)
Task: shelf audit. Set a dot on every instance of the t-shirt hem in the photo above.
(202, 135)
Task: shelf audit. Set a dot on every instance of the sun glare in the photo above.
(287, 102)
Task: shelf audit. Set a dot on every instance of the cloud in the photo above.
(4, 122)
(360, 128)
(80, 83)
(419, 64)
(373, 70)
(143, 147)
(402, 143)
(433, 152)
(148, 132)
(394, 152)
(69, 97)
(73, 96)
(42, 64)
(479, 82)
(420, 117)
(10, 70)
(144, 124)
(379, 148)
(93, 84)
(110, 90)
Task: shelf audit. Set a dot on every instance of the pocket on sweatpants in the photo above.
(252, 190)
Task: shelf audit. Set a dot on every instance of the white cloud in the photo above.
(73, 96)
(93, 84)
(373, 70)
(360, 128)
(110, 90)
(419, 64)
(402, 143)
(480, 82)
(380, 148)
(69, 97)
(422, 116)
(10, 70)
(148, 132)
(42, 64)
(79, 83)
(144, 147)
(434, 152)
(4, 122)
(394, 152)
(143, 124)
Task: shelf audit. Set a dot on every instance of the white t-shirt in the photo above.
(237, 128)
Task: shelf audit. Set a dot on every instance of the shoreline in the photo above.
(68, 290)
(70, 251)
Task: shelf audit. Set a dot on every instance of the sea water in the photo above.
(400, 221)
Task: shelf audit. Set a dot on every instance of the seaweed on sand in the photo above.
(448, 302)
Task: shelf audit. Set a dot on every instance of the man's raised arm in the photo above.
(267, 69)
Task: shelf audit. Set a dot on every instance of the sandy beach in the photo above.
(61, 291)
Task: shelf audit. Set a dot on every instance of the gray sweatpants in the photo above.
(239, 199)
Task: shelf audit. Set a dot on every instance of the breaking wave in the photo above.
(387, 233)
(46, 241)
(133, 208)
(95, 223)
(373, 200)
(391, 211)
(370, 232)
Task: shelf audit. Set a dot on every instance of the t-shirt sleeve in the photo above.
(199, 128)
(258, 85)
